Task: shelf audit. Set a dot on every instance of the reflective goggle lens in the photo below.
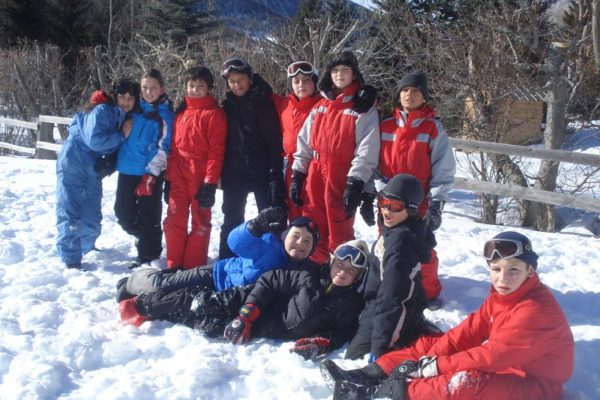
(234, 64)
(357, 258)
(502, 248)
(393, 205)
(303, 67)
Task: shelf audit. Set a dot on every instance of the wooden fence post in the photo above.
(44, 134)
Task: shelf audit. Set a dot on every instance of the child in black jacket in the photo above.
(395, 300)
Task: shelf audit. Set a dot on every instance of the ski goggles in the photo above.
(300, 67)
(357, 258)
(235, 65)
(393, 205)
(504, 248)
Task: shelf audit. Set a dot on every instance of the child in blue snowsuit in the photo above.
(94, 134)
(141, 162)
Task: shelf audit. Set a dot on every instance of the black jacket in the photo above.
(394, 295)
(254, 148)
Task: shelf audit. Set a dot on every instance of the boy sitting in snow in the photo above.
(518, 345)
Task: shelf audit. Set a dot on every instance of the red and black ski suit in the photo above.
(198, 148)
(516, 346)
(416, 143)
(335, 143)
(292, 114)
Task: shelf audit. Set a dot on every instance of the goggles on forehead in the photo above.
(357, 258)
(393, 205)
(236, 65)
(300, 67)
(504, 248)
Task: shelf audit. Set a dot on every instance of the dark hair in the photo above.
(155, 74)
(126, 85)
(199, 73)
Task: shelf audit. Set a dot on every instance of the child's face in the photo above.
(508, 274)
(411, 98)
(298, 243)
(197, 88)
(342, 76)
(392, 218)
(238, 83)
(151, 89)
(126, 102)
(342, 272)
(303, 85)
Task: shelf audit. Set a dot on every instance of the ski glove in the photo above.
(238, 330)
(298, 179)
(206, 195)
(271, 219)
(310, 348)
(146, 185)
(434, 215)
(426, 367)
(166, 191)
(352, 195)
(364, 99)
(366, 208)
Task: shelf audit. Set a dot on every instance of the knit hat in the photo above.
(417, 79)
(309, 224)
(523, 248)
(407, 188)
(346, 57)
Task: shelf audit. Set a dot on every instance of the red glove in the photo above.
(129, 313)
(310, 348)
(98, 97)
(146, 186)
(238, 330)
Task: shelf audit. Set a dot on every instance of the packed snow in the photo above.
(61, 337)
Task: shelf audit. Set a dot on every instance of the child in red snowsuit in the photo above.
(518, 345)
(293, 111)
(413, 141)
(338, 151)
(198, 148)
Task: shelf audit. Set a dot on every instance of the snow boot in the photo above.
(357, 384)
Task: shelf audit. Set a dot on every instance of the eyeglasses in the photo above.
(357, 258)
(504, 248)
(298, 67)
(393, 205)
(235, 64)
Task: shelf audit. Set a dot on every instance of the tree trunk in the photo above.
(596, 32)
(541, 216)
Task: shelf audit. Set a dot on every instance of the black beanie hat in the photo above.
(407, 188)
(346, 57)
(309, 225)
(417, 79)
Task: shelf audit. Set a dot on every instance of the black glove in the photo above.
(276, 191)
(364, 99)
(434, 215)
(106, 165)
(271, 219)
(352, 195)
(298, 179)
(206, 195)
(310, 348)
(166, 191)
(366, 208)
(238, 330)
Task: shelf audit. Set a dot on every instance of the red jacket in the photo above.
(292, 113)
(200, 133)
(416, 143)
(523, 333)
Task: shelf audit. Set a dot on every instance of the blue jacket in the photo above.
(147, 146)
(255, 256)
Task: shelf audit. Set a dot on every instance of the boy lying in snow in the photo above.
(518, 345)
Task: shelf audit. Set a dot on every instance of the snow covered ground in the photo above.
(60, 334)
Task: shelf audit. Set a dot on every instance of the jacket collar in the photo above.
(305, 104)
(206, 102)
(530, 283)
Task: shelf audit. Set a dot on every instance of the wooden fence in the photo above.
(45, 149)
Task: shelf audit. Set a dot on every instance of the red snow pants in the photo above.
(467, 385)
(324, 204)
(431, 281)
(187, 250)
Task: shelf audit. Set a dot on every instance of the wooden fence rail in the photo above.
(46, 123)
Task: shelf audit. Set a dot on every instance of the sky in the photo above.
(61, 337)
